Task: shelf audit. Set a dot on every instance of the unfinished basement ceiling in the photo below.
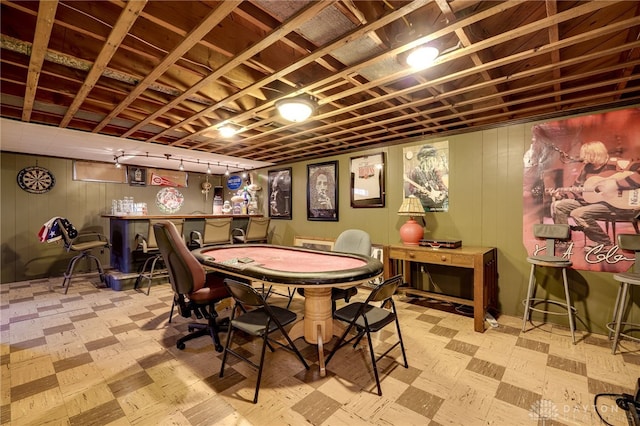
(167, 73)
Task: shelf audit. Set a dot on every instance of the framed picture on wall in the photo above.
(367, 180)
(280, 193)
(137, 175)
(426, 174)
(314, 243)
(322, 191)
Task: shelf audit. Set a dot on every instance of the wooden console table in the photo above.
(483, 261)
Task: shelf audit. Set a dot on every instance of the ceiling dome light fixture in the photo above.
(227, 130)
(422, 57)
(296, 109)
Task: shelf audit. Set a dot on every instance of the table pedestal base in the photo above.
(318, 325)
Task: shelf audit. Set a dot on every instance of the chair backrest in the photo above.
(551, 233)
(186, 274)
(217, 231)
(257, 229)
(64, 233)
(631, 242)
(385, 289)
(244, 293)
(151, 243)
(355, 241)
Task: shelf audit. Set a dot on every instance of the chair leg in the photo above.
(173, 305)
(615, 310)
(404, 354)
(374, 363)
(69, 273)
(570, 309)
(264, 350)
(527, 305)
(225, 353)
(98, 266)
(147, 275)
(339, 343)
(623, 301)
(153, 268)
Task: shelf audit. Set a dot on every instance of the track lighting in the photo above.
(296, 109)
(168, 157)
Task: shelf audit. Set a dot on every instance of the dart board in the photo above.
(36, 180)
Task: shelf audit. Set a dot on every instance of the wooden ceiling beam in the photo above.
(205, 26)
(279, 32)
(524, 74)
(128, 16)
(44, 25)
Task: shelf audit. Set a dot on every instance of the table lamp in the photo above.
(411, 232)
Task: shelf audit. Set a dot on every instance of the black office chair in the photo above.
(367, 318)
(83, 244)
(195, 291)
(352, 241)
(260, 321)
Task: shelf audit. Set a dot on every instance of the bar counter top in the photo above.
(177, 216)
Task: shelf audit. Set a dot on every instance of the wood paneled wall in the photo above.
(486, 170)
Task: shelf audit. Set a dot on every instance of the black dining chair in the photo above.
(258, 319)
(366, 318)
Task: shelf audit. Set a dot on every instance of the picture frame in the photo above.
(322, 191)
(426, 174)
(368, 180)
(314, 243)
(137, 175)
(280, 184)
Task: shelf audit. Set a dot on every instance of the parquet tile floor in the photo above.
(103, 357)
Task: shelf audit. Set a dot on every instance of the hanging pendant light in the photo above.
(296, 109)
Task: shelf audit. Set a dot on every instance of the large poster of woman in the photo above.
(585, 172)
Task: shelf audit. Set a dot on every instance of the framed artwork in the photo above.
(426, 174)
(280, 193)
(322, 191)
(367, 180)
(314, 243)
(137, 176)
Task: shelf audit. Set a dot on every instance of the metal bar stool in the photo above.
(550, 233)
(630, 242)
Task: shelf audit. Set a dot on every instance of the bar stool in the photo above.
(551, 233)
(629, 242)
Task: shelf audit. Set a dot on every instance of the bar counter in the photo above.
(123, 231)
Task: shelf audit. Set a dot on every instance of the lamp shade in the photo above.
(296, 109)
(411, 206)
(411, 232)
